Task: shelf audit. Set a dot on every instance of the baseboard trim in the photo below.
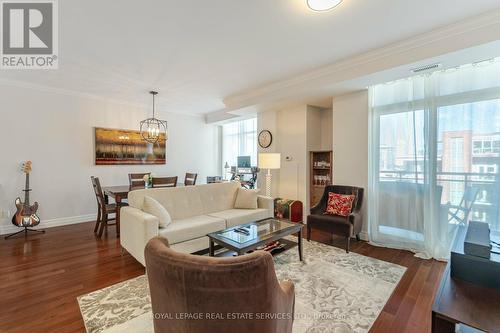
(364, 236)
(5, 229)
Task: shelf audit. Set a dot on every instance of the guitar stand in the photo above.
(26, 229)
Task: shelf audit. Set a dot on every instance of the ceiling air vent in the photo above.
(426, 68)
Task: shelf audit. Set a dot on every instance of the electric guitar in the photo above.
(26, 214)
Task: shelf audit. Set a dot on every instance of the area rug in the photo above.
(334, 292)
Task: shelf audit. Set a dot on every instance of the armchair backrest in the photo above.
(188, 284)
(342, 189)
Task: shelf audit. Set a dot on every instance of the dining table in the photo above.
(119, 193)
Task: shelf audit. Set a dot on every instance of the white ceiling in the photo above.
(198, 52)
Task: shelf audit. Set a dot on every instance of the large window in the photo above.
(434, 157)
(239, 139)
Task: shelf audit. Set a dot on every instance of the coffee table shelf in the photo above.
(260, 233)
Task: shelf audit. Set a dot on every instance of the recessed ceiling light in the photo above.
(323, 5)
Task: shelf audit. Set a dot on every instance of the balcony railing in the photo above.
(486, 208)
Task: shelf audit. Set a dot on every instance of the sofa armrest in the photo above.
(355, 216)
(265, 202)
(136, 229)
(318, 209)
(356, 220)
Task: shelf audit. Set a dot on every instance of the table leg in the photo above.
(300, 244)
(211, 251)
(118, 200)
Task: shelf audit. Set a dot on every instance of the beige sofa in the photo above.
(195, 211)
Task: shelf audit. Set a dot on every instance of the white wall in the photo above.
(326, 129)
(344, 129)
(296, 131)
(293, 144)
(288, 128)
(350, 142)
(55, 131)
(269, 121)
(313, 128)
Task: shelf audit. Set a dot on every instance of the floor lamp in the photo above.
(269, 161)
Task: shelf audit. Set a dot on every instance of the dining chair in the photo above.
(165, 181)
(136, 180)
(104, 209)
(190, 179)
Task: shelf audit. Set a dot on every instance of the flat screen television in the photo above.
(244, 162)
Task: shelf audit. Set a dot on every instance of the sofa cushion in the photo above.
(153, 207)
(187, 201)
(246, 199)
(241, 216)
(190, 228)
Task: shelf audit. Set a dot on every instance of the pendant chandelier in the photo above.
(152, 128)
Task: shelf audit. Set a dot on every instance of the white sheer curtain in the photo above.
(432, 137)
(239, 139)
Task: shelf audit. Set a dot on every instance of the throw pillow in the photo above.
(153, 207)
(246, 199)
(339, 204)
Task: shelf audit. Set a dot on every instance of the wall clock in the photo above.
(265, 139)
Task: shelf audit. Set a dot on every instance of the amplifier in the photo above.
(468, 260)
(477, 240)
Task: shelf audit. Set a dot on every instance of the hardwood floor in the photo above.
(41, 277)
(409, 308)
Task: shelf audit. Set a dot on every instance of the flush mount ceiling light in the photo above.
(322, 5)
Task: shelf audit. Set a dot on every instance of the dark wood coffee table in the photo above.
(261, 233)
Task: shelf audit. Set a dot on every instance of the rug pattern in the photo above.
(335, 292)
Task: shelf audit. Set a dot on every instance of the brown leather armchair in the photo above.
(205, 294)
(348, 226)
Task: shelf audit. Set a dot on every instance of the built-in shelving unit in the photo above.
(321, 174)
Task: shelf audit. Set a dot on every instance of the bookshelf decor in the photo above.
(321, 174)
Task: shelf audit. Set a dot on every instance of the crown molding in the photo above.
(467, 33)
(78, 94)
(220, 116)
